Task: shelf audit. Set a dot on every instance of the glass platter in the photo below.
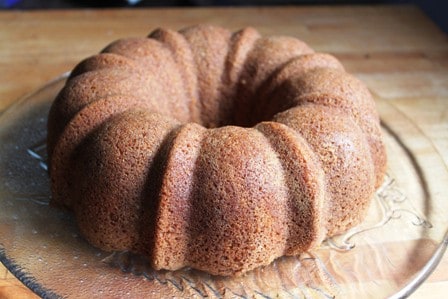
(390, 254)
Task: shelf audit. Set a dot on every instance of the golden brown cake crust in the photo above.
(214, 150)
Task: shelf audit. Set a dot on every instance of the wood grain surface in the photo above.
(396, 50)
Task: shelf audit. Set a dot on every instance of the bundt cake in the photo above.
(213, 150)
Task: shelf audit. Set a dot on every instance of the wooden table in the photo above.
(396, 50)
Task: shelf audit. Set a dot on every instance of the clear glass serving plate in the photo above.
(389, 254)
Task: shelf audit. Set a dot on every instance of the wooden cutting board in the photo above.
(396, 50)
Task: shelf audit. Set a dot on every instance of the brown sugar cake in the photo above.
(213, 150)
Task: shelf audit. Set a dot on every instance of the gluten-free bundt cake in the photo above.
(213, 150)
